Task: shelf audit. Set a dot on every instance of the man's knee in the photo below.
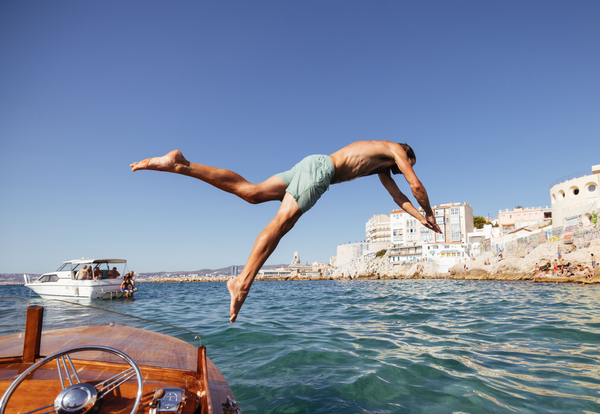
(263, 192)
(286, 222)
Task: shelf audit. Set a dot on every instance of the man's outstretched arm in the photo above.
(403, 201)
(417, 188)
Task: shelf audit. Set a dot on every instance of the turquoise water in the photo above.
(422, 346)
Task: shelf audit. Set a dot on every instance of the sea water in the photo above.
(402, 346)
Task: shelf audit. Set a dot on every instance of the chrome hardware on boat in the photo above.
(79, 397)
(168, 400)
(230, 406)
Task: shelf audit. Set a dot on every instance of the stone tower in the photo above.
(296, 261)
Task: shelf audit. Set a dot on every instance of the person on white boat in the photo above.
(83, 274)
(113, 274)
(97, 273)
(130, 276)
(127, 286)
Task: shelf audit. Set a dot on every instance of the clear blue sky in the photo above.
(498, 99)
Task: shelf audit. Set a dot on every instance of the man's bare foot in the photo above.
(238, 296)
(169, 162)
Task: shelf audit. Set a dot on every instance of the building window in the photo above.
(592, 188)
(573, 221)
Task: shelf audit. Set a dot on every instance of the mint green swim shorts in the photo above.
(308, 180)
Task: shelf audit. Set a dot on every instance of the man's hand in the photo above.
(431, 224)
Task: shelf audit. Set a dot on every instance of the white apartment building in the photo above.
(377, 229)
(575, 198)
(411, 241)
(511, 220)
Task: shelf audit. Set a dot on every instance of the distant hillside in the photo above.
(12, 278)
(202, 272)
(6, 278)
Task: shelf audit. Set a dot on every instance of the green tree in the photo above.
(478, 222)
(380, 253)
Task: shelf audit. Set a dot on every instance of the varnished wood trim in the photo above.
(203, 376)
(33, 333)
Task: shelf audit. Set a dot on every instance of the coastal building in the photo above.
(575, 198)
(377, 229)
(478, 239)
(519, 217)
(274, 273)
(445, 255)
(411, 241)
(347, 253)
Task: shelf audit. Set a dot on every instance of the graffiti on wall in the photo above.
(581, 237)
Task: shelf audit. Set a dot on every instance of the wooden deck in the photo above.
(163, 360)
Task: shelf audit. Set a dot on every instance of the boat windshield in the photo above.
(103, 267)
(65, 266)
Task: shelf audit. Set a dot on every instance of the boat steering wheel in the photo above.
(79, 397)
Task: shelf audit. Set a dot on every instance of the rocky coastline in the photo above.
(510, 267)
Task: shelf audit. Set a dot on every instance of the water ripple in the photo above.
(422, 346)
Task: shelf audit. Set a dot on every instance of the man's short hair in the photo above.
(409, 152)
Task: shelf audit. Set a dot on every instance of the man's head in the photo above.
(412, 158)
(410, 154)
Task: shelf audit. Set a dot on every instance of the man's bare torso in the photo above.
(363, 158)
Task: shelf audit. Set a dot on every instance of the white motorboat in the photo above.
(65, 283)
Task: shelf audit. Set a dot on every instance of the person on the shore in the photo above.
(593, 261)
(559, 253)
(299, 189)
(589, 273)
(569, 270)
(555, 268)
(538, 272)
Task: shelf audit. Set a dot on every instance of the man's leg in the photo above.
(269, 190)
(265, 244)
